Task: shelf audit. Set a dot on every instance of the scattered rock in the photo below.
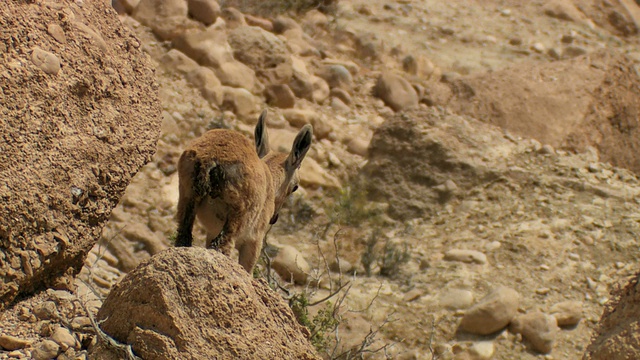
(291, 265)
(64, 338)
(263, 52)
(45, 350)
(233, 18)
(466, 256)
(300, 117)
(455, 299)
(207, 47)
(46, 311)
(320, 90)
(567, 313)
(57, 33)
(369, 46)
(539, 329)
(284, 23)
(205, 11)
(341, 94)
(240, 101)
(168, 19)
(339, 106)
(419, 66)
(205, 80)
(259, 22)
(563, 10)
(177, 60)
(238, 75)
(337, 76)
(491, 313)
(313, 175)
(396, 92)
(358, 146)
(46, 61)
(10, 343)
(280, 96)
(162, 307)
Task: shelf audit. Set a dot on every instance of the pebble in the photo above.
(291, 265)
(543, 291)
(45, 350)
(64, 338)
(538, 47)
(9, 342)
(466, 256)
(46, 61)
(491, 313)
(46, 311)
(57, 33)
(547, 150)
(456, 299)
(567, 313)
(538, 329)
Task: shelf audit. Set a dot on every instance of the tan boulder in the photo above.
(237, 74)
(197, 303)
(396, 92)
(291, 265)
(205, 11)
(205, 79)
(208, 47)
(492, 313)
(539, 329)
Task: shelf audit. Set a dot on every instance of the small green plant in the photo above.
(350, 207)
(172, 238)
(393, 255)
(321, 326)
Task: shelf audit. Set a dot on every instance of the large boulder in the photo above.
(578, 103)
(80, 116)
(415, 156)
(199, 304)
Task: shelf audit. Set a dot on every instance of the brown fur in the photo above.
(236, 188)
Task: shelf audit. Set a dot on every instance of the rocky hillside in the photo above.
(472, 177)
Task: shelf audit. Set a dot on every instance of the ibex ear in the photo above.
(301, 145)
(260, 136)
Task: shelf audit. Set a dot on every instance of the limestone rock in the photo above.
(208, 47)
(455, 299)
(280, 96)
(396, 92)
(237, 74)
(259, 22)
(567, 313)
(205, 11)
(313, 175)
(204, 79)
(240, 101)
(11, 343)
(46, 61)
(539, 329)
(175, 60)
(195, 303)
(491, 313)
(263, 52)
(167, 18)
(291, 265)
(337, 76)
(45, 350)
(466, 256)
(64, 338)
(284, 23)
(320, 89)
(233, 18)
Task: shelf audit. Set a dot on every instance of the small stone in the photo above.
(205, 11)
(280, 96)
(9, 342)
(543, 291)
(80, 323)
(567, 313)
(339, 106)
(482, 350)
(64, 338)
(547, 150)
(491, 313)
(46, 61)
(46, 311)
(620, 265)
(358, 146)
(555, 53)
(538, 329)
(574, 256)
(538, 47)
(57, 33)
(396, 92)
(337, 76)
(413, 295)
(568, 38)
(574, 51)
(342, 95)
(455, 299)
(515, 41)
(45, 350)
(466, 256)
(291, 265)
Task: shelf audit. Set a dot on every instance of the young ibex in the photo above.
(236, 189)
